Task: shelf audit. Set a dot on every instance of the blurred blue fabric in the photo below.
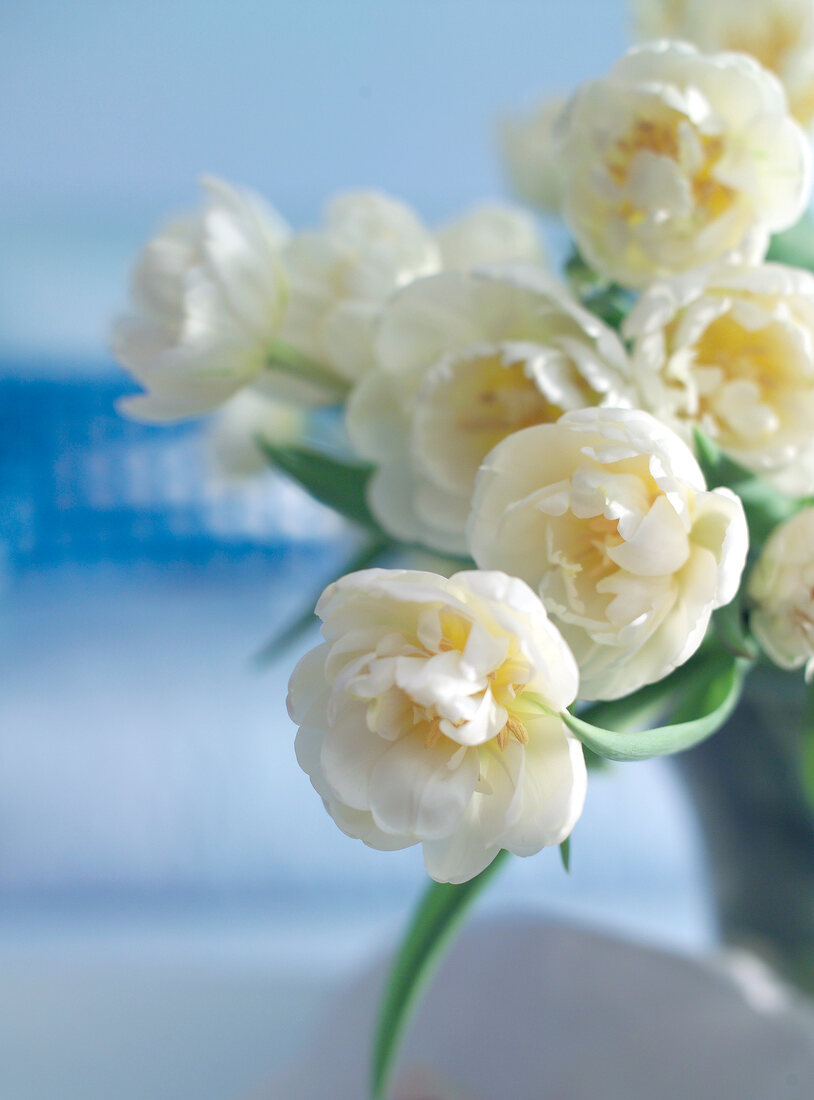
(148, 787)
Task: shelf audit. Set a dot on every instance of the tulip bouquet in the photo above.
(612, 465)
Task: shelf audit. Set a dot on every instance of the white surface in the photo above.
(528, 1011)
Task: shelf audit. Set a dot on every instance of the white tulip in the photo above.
(606, 514)
(430, 714)
(464, 359)
(341, 274)
(493, 232)
(531, 155)
(677, 159)
(781, 587)
(209, 294)
(779, 33)
(732, 351)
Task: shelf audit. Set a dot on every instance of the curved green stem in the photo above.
(434, 923)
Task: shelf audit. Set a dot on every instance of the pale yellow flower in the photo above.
(606, 515)
(677, 159)
(209, 295)
(489, 233)
(430, 715)
(464, 359)
(779, 33)
(781, 587)
(341, 273)
(531, 156)
(731, 350)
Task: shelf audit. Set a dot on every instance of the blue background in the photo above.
(151, 809)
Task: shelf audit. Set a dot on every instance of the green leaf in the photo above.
(607, 300)
(370, 553)
(338, 484)
(718, 469)
(438, 916)
(565, 854)
(707, 698)
(796, 246)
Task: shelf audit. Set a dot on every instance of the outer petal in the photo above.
(421, 790)
(490, 233)
(554, 788)
(463, 855)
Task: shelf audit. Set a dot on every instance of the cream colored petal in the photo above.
(553, 788)
(422, 790)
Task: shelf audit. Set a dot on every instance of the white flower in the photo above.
(677, 159)
(463, 361)
(781, 586)
(732, 350)
(245, 419)
(430, 715)
(779, 33)
(341, 274)
(531, 156)
(607, 515)
(209, 294)
(228, 298)
(493, 232)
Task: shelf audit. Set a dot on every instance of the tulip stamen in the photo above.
(513, 728)
(433, 733)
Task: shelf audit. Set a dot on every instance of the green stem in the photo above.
(287, 360)
(434, 923)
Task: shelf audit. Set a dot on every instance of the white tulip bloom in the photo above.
(677, 159)
(531, 155)
(209, 294)
(781, 587)
(779, 33)
(732, 351)
(341, 274)
(464, 359)
(493, 232)
(430, 714)
(606, 514)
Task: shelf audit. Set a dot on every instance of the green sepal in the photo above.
(565, 854)
(439, 913)
(608, 301)
(335, 482)
(706, 691)
(729, 623)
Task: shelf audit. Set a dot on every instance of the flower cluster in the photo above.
(231, 298)
(541, 427)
